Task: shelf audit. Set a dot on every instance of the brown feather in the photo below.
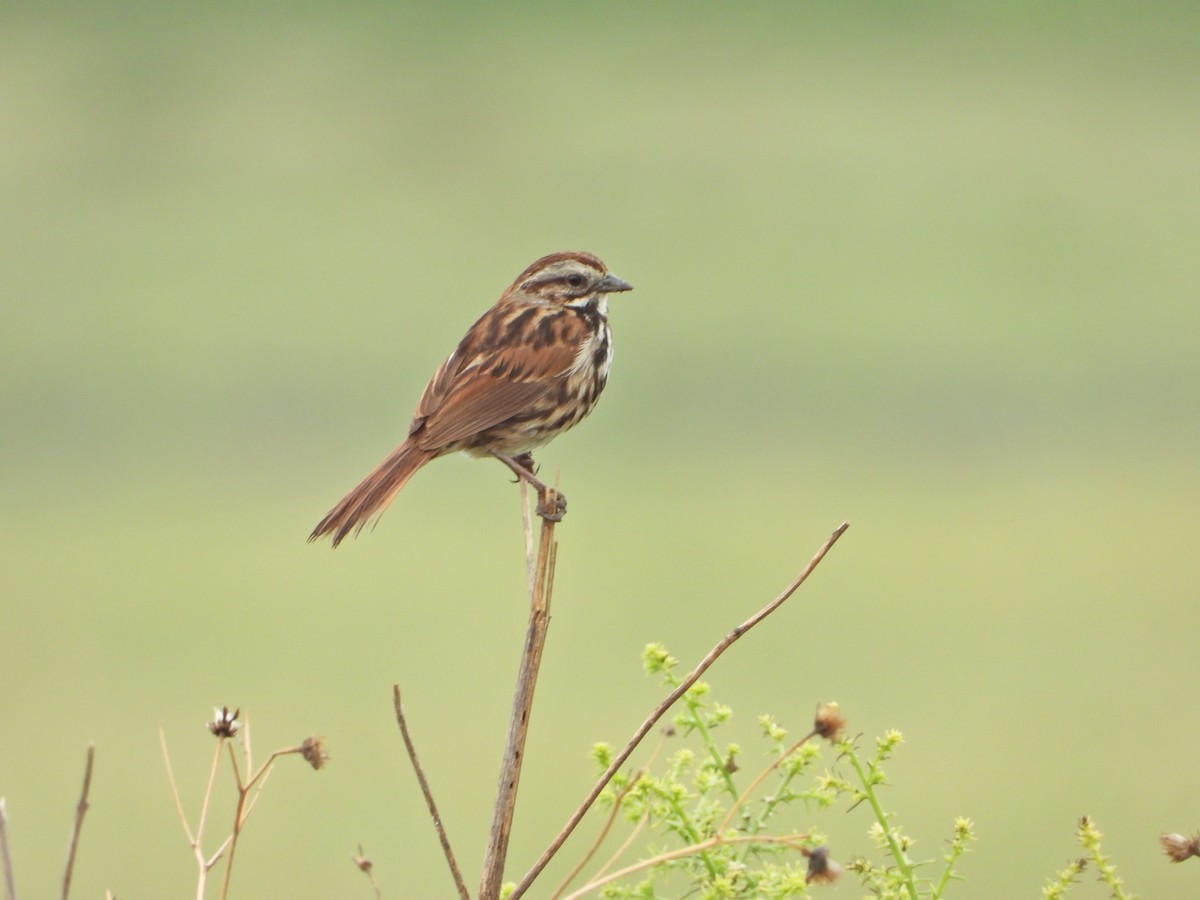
(494, 385)
(373, 493)
(480, 403)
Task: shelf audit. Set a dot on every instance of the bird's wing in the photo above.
(478, 387)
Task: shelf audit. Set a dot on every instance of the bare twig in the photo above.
(604, 830)
(245, 802)
(433, 810)
(259, 782)
(612, 817)
(527, 528)
(619, 760)
(195, 838)
(237, 812)
(518, 724)
(208, 790)
(80, 811)
(642, 821)
(10, 888)
(220, 851)
(187, 829)
(249, 789)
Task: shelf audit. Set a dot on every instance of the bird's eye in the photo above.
(575, 280)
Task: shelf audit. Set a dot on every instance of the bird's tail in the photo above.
(373, 493)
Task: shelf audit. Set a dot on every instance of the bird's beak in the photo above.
(611, 284)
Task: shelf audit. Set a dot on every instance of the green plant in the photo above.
(712, 837)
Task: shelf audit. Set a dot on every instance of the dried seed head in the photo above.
(313, 750)
(362, 861)
(821, 868)
(224, 723)
(1178, 848)
(829, 721)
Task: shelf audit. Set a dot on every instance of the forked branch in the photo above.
(619, 760)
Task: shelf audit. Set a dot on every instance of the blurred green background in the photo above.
(930, 268)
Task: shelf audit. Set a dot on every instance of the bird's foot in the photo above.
(552, 505)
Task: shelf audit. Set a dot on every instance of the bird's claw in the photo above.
(552, 505)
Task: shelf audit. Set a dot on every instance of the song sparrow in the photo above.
(531, 367)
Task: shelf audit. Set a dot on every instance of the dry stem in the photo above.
(619, 760)
(433, 810)
(245, 802)
(518, 725)
(608, 823)
(604, 830)
(625, 844)
(80, 811)
(195, 839)
(10, 888)
(249, 793)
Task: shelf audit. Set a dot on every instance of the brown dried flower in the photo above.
(313, 750)
(1178, 847)
(821, 868)
(224, 723)
(362, 861)
(829, 721)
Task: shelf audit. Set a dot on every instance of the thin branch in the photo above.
(220, 851)
(212, 777)
(195, 839)
(633, 782)
(10, 888)
(244, 733)
(187, 829)
(625, 844)
(258, 783)
(429, 802)
(261, 776)
(619, 760)
(604, 830)
(527, 528)
(691, 850)
(237, 815)
(245, 802)
(80, 811)
(518, 723)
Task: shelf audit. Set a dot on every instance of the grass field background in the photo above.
(930, 268)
